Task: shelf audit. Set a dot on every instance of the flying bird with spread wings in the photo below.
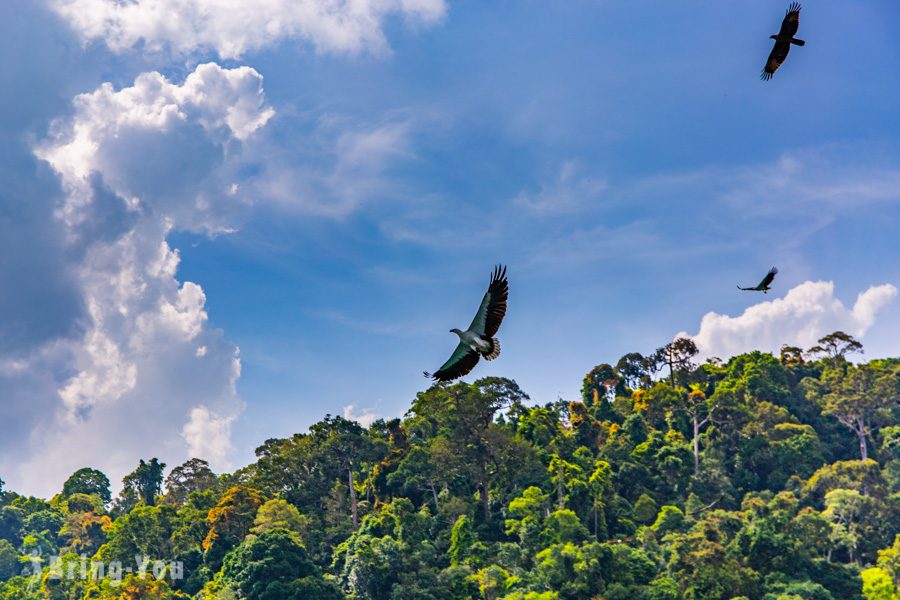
(764, 285)
(783, 40)
(478, 340)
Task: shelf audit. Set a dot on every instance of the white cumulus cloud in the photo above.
(233, 27)
(806, 313)
(143, 375)
(208, 435)
(158, 143)
(365, 418)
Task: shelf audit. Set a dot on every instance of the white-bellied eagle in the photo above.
(783, 40)
(764, 284)
(478, 340)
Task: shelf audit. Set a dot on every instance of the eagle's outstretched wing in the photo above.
(460, 363)
(791, 22)
(493, 305)
(767, 279)
(776, 57)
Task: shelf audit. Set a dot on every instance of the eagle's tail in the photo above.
(495, 350)
(798, 42)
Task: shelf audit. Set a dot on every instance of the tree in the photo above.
(479, 450)
(88, 481)
(598, 390)
(462, 540)
(645, 509)
(145, 531)
(846, 509)
(418, 472)
(860, 398)
(634, 370)
(142, 485)
(678, 356)
(877, 585)
(564, 475)
(134, 587)
(345, 443)
(791, 356)
(491, 582)
(9, 560)
(279, 514)
(600, 484)
(11, 518)
(882, 582)
(192, 476)
(84, 532)
(698, 408)
(836, 346)
(274, 566)
(229, 522)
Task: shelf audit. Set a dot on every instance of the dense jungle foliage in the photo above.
(764, 477)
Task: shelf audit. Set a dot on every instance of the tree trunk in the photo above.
(434, 493)
(696, 444)
(861, 433)
(485, 500)
(560, 497)
(353, 511)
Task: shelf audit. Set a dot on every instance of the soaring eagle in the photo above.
(783, 40)
(478, 340)
(764, 284)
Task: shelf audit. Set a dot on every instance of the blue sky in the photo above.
(338, 192)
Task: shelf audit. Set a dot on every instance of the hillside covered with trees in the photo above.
(763, 477)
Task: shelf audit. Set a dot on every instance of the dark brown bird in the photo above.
(783, 40)
(764, 285)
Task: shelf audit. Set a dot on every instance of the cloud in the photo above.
(336, 169)
(812, 179)
(208, 435)
(142, 374)
(233, 27)
(806, 313)
(158, 145)
(365, 418)
(567, 192)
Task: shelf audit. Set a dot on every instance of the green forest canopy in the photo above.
(763, 477)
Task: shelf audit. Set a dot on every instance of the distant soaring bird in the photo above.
(764, 284)
(783, 40)
(478, 340)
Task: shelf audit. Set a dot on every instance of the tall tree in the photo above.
(142, 484)
(274, 566)
(191, 476)
(791, 356)
(678, 356)
(634, 370)
(87, 481)
(698, 409)
(229, 522)
(859, 398)
(348, 445)
(836, 346)
(464, 414)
